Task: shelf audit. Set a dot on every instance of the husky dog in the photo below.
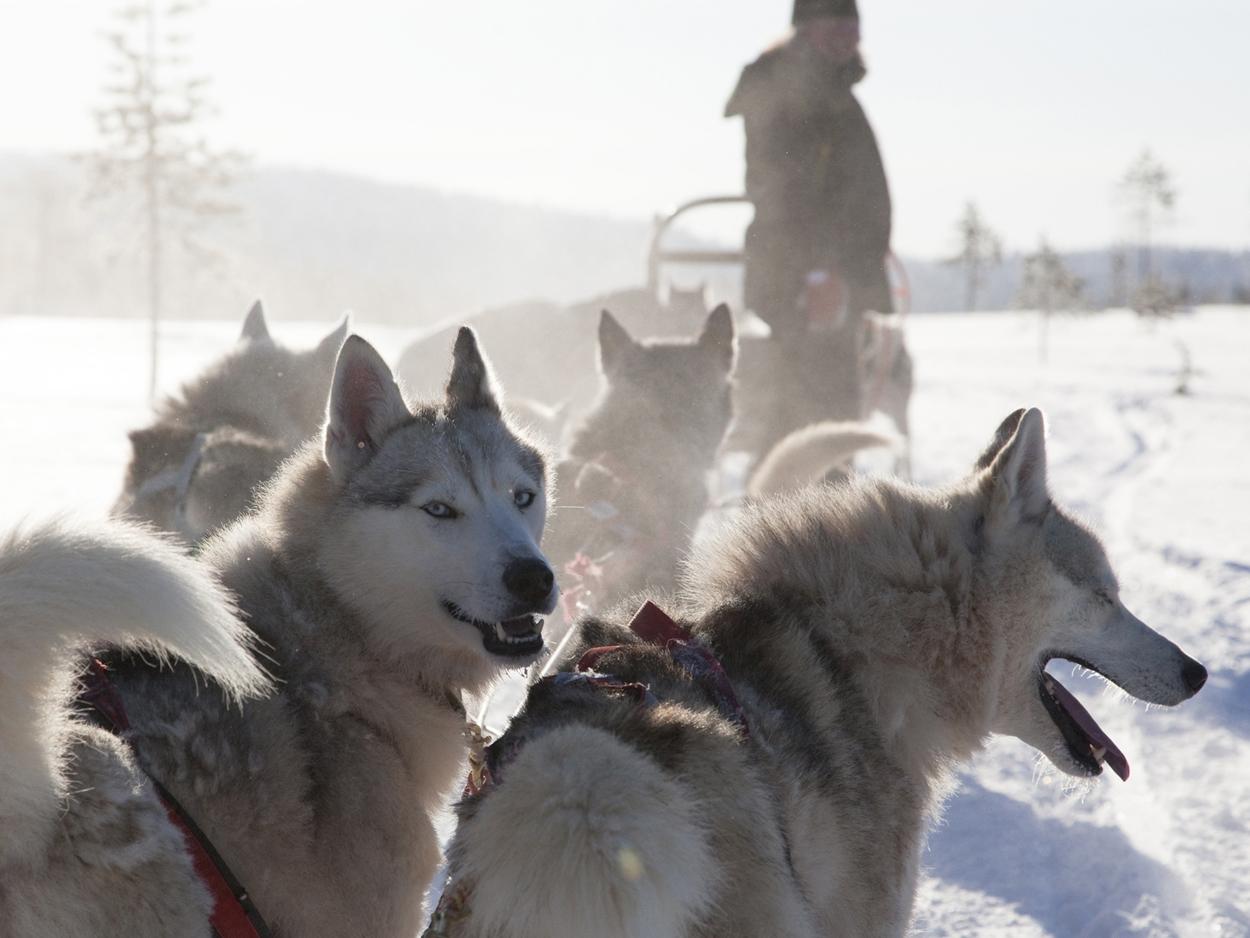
(821, 451)
(198, 465)
(875, 635)
(634, 482)
(546, 352)
(391, 566)
(87, 848)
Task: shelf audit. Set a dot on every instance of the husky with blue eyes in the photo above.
(392, 565)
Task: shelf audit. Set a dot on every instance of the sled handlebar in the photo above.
(658, 256)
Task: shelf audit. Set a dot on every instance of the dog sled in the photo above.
(659, 255)
(831, 373)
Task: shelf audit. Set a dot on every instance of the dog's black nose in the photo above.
(1194, 675)
(529, 580)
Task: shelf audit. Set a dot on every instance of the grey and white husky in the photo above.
(199, 464)
(391, 566)
(635, 480)
(876, 634)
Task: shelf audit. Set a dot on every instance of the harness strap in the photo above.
(179, 480)
(234, 913)
(656, 627)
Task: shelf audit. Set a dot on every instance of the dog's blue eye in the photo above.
(439, 510)
(523, 498)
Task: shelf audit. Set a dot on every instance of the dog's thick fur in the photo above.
(250, 411)
(87, 849)
(876, 635)
(634, 482)
(390, 567)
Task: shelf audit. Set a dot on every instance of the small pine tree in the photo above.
(1148, 191)
(980, 249)
(153, 150)
(1048, 286)
(1119, 277)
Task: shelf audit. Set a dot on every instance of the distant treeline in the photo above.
(1197, 275)
(315, 243)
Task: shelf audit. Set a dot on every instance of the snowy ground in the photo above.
(1162, 476)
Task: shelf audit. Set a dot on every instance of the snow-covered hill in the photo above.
(1162, 476)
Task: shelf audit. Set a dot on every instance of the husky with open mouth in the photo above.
(769, 764)
(392, 565)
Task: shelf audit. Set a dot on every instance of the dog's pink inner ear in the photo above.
(363, 397)
(365, 405)
(1021, 465)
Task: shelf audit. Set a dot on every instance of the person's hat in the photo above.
(815, 9)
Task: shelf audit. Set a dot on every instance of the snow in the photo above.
(1162, 476)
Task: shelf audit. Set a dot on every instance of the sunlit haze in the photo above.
(1032, 109)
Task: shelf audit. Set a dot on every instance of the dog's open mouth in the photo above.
(511, 638)
(1088, 745)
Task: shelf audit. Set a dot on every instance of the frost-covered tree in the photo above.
(153, 152)
(1150, 195)
(1048, 286)
(980, 249)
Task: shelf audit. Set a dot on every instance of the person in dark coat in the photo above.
(814, 173)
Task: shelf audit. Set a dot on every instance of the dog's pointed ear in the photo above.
(719, 337)
(1006, 430)
(328, 348)
(472, 384)
(365, 405)
(254, 326)
(614, 343)
(1018, 470)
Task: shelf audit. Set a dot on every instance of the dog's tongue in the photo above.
(1092, 731)
(522, 625)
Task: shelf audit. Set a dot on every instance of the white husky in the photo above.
(875, 634)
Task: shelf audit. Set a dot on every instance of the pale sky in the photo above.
(613, 106)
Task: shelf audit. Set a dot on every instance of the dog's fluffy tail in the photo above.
(808, 453)
(68, 585)
(585, 836)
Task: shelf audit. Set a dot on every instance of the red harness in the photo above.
(655, 626)
(234, 914)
